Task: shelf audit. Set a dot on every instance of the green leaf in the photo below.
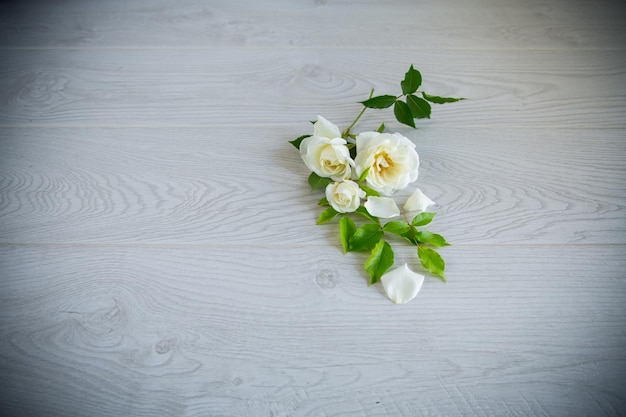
(432, 261)
(298, 141)
(379, 102)
(323, 202)
(364, 174)
(432, 239)
(365, 237)
(412, 81)
(369, 191)
(419, 107)
(411, 236)
(381, 129)
(347, 227)
(403, 113)
(397, 227)
(440, 100)
(379, 262)
(327, 215)
(363, 212)
(423, 219)
(317, 182)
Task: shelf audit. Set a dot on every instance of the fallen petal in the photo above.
(418, 201)
(383, 207)
(402, 284)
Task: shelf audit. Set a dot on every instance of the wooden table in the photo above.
(158, 248)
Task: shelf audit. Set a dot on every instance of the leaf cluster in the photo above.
(412, 107)
(370, 237)
(423, 240)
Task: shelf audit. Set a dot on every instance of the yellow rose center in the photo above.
(382, 162)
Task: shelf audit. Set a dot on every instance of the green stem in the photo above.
(412, 230)
(346, 132)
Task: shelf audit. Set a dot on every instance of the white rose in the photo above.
(345, 196)
(326, 153)
(391, 158)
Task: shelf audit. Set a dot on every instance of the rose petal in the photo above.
(383, 207)
(364, 139)
(402, 284)
(418, 201)
(325, 129)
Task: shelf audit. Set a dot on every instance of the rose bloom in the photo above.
(326, 153)
(391, 158)
(345, 196)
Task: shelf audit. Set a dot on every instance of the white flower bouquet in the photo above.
(361, 172)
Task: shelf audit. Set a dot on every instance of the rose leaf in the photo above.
(403, 113)
(380, 261)
(432, 261)
(412, 81)
(419, 107)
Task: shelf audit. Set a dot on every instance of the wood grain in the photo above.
(198, 331)
(158, 248)
(321, 23)
(69, 185)
(80, 87)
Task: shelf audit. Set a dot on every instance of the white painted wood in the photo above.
(193, 87)
(316, 23)
(158, 252)
(256, 331)
(243, 185)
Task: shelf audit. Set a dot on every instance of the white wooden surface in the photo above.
(158, 248)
